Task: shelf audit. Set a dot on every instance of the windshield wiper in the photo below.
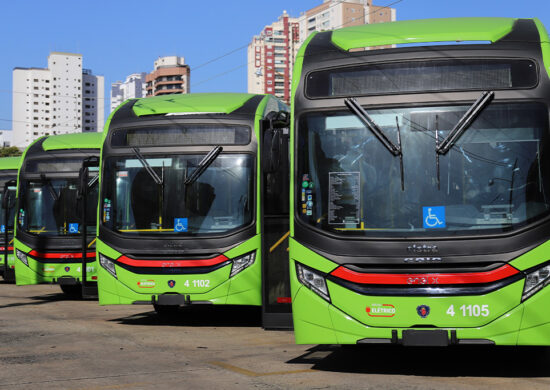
(205, 163)
(147, 167)
(396, 150)
(465, 122)
(365, 117)
(50, 187)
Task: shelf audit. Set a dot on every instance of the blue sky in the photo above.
(120, 37)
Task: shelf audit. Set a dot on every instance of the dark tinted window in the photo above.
(53, 165)
(422, 76)
(182, 135)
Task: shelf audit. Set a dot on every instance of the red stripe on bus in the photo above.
(172, 263)
(10, 248)
(77, 255)
(425, 279)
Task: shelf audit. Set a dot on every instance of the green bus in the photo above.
(191, 210)
(8, 179)
(48, 234)
(419, 207)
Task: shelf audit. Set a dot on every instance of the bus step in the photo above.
(176, 299)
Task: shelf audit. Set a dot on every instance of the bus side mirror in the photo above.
(82, 182)
(7, 201)
(271, 142)
(83, 175)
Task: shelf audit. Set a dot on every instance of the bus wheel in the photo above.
(166, 310)
(72, 290)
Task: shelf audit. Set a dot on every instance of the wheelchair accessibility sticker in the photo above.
(180, 224)
(73, 228)
(2, 228)
(433, 217)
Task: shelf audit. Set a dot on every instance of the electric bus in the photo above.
(8, 179)
(192, 210)
(49, 223)
(419, 189)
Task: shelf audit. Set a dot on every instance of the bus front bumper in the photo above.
(318, 321)
(209, 288)
(38, 273)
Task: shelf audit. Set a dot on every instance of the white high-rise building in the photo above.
(133, 87)
(60, 99)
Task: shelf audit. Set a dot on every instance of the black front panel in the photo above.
(408, 250)
(42, 168)
(139, 132)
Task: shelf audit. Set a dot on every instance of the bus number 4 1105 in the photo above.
(470, 310)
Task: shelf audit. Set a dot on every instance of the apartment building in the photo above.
(271, 57)
(334, 14)
(132, 87)
(62, 98)
(171, 75)
(271, 53)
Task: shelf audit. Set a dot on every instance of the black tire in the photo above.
(72, 290)
(167, 311)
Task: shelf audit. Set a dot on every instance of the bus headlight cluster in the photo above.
(22, 256)
(242, 262)
(312, 280)
(108, 264)
(535, 281)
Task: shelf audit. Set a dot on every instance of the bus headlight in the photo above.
(240, 263)
(535, 281)
(313, 280)
(108, 264)
(22, 256)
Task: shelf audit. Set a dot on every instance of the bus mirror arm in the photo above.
(271, 149)
(8, 203)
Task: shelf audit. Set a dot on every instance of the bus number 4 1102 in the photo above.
(470, 310)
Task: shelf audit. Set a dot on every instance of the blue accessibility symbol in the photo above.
(73, 228)
(3, 229)
(180, 224)
(433, 217)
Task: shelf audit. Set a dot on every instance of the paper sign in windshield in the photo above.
(344, 198)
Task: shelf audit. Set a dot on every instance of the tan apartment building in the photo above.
(271, 53)
(335, 14)
(171, 75)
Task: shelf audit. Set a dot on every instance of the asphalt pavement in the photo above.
(49, 341)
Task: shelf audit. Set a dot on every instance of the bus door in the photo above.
(8, 203)
(275, 163)
(85, 185)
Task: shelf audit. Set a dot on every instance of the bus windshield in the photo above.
(491, 180)
(137, 201)
(50, 207)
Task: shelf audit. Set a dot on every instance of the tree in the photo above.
(10, 151)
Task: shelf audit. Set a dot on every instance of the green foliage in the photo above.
(10, 151)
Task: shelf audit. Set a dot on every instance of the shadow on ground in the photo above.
(40, 299)
(482, 361)
(211, 315)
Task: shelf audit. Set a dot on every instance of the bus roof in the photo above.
(222, 103)
(425, 31)
(10, 162)
(91, 140)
